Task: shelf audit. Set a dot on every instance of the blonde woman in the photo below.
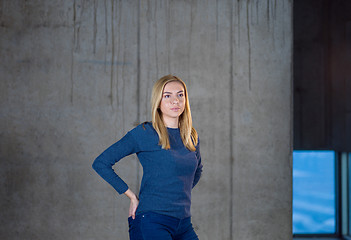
(168, 149)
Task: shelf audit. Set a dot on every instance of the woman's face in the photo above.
(173, 100)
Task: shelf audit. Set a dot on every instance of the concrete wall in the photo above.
(77, 75)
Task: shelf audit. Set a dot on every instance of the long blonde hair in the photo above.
(187, 132)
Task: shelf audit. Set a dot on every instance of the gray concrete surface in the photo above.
(77, 75)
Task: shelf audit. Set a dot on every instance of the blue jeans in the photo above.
(154, 226)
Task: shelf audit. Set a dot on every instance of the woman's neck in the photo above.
(171, 122)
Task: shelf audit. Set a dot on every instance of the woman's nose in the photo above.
(175, 100)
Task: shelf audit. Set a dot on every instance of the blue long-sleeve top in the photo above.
(168, 175)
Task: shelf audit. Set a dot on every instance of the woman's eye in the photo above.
(166, 96)
(181, 95)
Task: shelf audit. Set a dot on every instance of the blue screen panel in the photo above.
(313, 192)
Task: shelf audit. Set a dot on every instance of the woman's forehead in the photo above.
(173, 86)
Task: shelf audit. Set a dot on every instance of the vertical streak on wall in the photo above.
(290, 19)
(95, 27)
(268, 14)
(231, 127)
(106, 33)
(113, 51)
(248, 41)
(77, 47)
(119, 15)
(138, 91)
(73, 46)
(238, 16)
(257, 12)
(190, 37)
(252, 15)
(273, 10)
(123, 69)
(284, 23)
(168, 32)
(149, 19)
(216, 20)
(156, 53)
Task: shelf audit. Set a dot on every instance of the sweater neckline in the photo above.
(173, 129)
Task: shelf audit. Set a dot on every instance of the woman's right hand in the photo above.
(134, 202)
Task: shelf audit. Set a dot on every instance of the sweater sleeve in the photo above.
(199, 165)
(103, 163)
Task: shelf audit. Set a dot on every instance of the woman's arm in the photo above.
(103, 163)
(199, 165)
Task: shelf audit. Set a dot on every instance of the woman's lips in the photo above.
(175, 109)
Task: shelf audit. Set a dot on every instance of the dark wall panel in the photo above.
(322, 65)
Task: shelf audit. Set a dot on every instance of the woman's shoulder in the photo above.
(143, 129)
(145, 135)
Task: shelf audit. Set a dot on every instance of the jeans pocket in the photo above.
(130, 220)
(134, 221)
(135, 228)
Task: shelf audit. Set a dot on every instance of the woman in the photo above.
(168, 150)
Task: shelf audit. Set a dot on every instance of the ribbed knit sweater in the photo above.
(168, 175)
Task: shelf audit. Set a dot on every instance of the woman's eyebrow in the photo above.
(171, 93)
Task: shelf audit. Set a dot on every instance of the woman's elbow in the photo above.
(96, 165)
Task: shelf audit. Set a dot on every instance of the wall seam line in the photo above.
(231, 118)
